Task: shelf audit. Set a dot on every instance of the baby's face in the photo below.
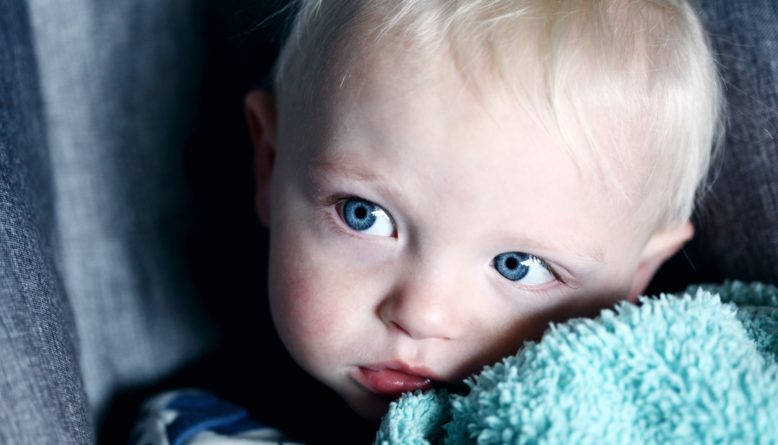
(420, 232)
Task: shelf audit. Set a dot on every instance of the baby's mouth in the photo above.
(390, 383)
(392, 378)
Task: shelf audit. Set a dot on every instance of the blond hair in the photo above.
(643, 69)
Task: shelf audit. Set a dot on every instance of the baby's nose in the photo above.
(423, 309)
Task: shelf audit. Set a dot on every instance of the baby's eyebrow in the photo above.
(341, 166)
(596, 255)
(344, 168)
(549, 248)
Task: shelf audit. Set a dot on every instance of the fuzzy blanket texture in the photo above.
(696, 367)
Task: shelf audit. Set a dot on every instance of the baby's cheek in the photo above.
(306, 312)
(296, 303)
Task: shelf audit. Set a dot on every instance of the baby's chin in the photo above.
(373, 407)
(369, 406)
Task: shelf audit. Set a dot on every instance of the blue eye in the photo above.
(366, 217)
(523, 267)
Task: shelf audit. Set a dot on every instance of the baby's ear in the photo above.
(660, 247)
(260, 109)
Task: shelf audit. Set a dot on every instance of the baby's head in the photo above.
(443, 179)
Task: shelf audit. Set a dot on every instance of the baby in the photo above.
(443, 179)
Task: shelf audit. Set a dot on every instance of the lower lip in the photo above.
(390, 382)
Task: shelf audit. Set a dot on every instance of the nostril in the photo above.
(417, 335)
(397, 326)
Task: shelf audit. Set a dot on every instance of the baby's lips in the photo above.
(391, 380)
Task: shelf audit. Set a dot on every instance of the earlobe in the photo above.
(660, 247)
(260, 111)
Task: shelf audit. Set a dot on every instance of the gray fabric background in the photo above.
(41, 394)
(119, 82)
(737, 222)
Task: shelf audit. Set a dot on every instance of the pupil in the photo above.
(513, 265)
(358, 214)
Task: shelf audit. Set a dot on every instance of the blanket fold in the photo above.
(696, 367)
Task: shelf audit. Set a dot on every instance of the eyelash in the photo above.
(552, 270)
(542, 263)
(332, 206)
(334, 220)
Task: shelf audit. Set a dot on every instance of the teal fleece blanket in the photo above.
(698, 367)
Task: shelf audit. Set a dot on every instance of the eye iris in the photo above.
(358, 214)
(510, 265)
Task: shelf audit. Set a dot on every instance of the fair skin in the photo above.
(483, 231)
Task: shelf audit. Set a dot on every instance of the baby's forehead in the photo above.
(616, 79)
(394, 75)
(409, 113)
